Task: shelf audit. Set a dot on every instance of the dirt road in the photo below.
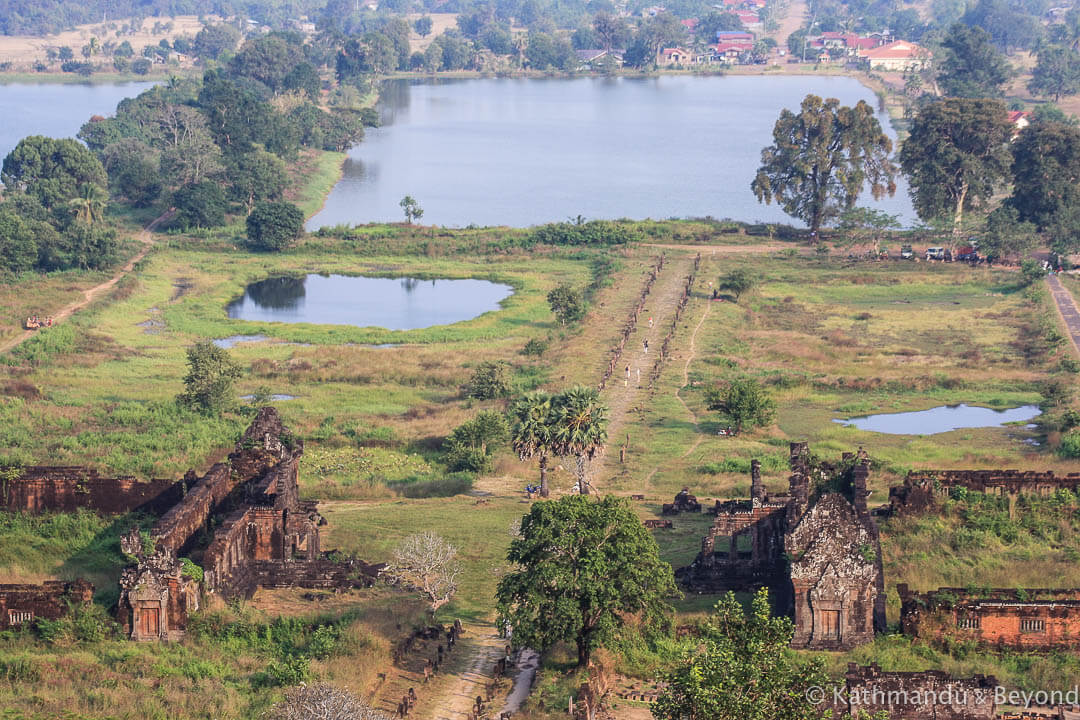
(145, 237)
(1066, 305)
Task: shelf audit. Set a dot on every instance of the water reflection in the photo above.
(941, 419)
(277, 293)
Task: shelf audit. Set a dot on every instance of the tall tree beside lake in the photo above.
(51, 170)
(1046, 173)
(822, 158)
(973, 67)
(956, 157)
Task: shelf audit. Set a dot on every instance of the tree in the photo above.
(66, 53)
(580, 428)
(490, 380)
(124, 50)
(973, 67)
(213, 40)
(141, 66)
(579, 568)
(427, 563)
(567, 303)
(549, 52)
(268, 59)
(323, 702)
(208, 385)
(1009, 27)
(743, 669)
(713, 22)
(51, 170)
(1006, 235)
(89, 205)
(956, 156)
(134, 170)
(822, 158)
(18, 246)
(411, 208)
(1030, 271)
(190, 154)
(744, 401)
(611, 31)
(532, 434)
(470, 445)
(663, 30)
(1056, 73)
(274, 225)
(256, 176)
(737, 281)
(860, 221)
(423, 26)
(200, 205)
(1045, 172)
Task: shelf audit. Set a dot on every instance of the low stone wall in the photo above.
(923, 490)
(929, 695)
(1024, 619)
(44, 488)
(21, 605)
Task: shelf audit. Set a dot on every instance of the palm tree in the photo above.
(532, 434)
(89, 205)
(580, 428)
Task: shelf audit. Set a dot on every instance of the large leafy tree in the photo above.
(743, 670)
(956, 157)
(1056, 73)
(579, 567)
(973, 67)
(208, 385)
(213, 40)
(1010, 27)
(580, 428)
(1046, 172)
(274, 225)
(822, 158)
(532, 433)
(744, 401)
(51, 170)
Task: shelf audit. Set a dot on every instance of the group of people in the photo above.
(33, 322)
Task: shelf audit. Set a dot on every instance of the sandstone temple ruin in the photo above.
(239, 527)
(816, 548)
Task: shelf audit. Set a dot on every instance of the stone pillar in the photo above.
(861, 473)
(757, 489)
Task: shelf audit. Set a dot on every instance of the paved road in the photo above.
(1067, 307)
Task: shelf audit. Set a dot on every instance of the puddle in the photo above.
(941, 419)
(234, 340)
(275, 397)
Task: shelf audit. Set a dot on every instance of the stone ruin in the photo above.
(263, 536)
(1020, 619)
(816, 548)
(684, 503)
(239, 527)
(923, 490)
(927, 695)
(22, 605)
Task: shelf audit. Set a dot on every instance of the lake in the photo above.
(941, 419)
(392, 303)
(56, 109)
(527, 151)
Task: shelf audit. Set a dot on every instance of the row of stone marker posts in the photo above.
(631, 323)
(431, 664)
(658, 365)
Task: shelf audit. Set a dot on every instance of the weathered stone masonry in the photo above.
(817, 550)
(923, 490)
(929, 695)
(21, 605)
(41, 488)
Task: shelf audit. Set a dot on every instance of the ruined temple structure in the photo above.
(998, 618)
(245, 526)
(816, 548)
(684, 503)
(924, 489)
(21, 605)
(930, 695)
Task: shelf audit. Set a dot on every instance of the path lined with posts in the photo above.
(623, 394)
(1066, 305)
(91, 294)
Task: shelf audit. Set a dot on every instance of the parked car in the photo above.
(906, 253)
(967, 254)
(935, 253)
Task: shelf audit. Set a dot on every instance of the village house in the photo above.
(816, 548)
(898, 56)
(669, 57)
(849, 43)
(750, 19)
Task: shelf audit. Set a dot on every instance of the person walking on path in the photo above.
(645, 344)
(626, 382)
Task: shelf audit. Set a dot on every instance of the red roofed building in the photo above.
(730, 52)
(748, 18)
(674, 56)
(897, 56)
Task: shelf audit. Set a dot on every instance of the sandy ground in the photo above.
(23, 51)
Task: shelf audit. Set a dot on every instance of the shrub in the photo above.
(1070, 444)
(273, 226)
(535, 347)
(457, 483)
(140, 66)
(491, 379)
(593, 232)
(567, 303)
(190, 570)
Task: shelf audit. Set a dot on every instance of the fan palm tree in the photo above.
(89, 204)
(532, 434)
(580, 428)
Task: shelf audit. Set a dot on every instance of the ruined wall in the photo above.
(21, 605)
(930, 695)
(923, 490)
(1035, 619)
(43, 488)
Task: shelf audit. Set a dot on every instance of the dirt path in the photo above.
(484, 647)
(623, 395)
(91, 294)
(690, 356)
(730, 249)
(1066, 306)
(793, 20)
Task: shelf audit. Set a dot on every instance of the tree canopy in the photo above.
(580, 566)
(1046, 172)
(822, 158)
(208, 385)
(744, 401)
(972, 66)
(51, 170)
(956, 156)
(1056, 73)
(274, 225)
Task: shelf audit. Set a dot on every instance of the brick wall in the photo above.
(922, 490)
(23, 604)
(42, 488)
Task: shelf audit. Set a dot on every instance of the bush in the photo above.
(274, 226)
(140, 66)
(567, 303)
(1070, 444)
(200, 205)
(190, 570)
(491, 379)
(535, 347)
(457, 483)
(594, 232)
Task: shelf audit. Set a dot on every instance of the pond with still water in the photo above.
(941, 419)
(521, 152)
(393, 303)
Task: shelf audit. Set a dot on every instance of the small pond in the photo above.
(391, 303)
(941, 419)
